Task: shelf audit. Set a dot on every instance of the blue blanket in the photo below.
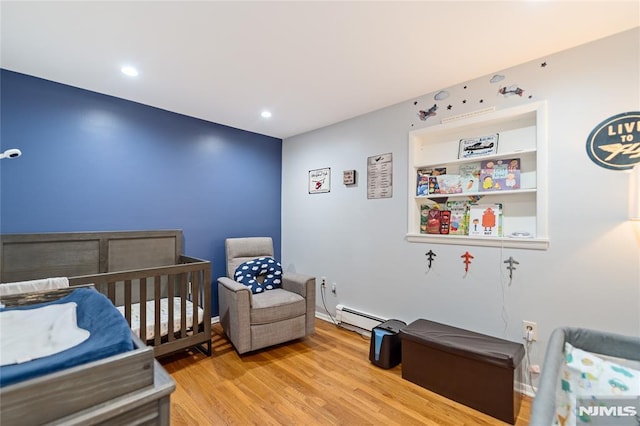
(110, 335)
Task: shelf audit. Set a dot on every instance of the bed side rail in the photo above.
(44, 296)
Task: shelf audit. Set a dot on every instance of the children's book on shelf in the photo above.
(470, 177)
(434, 187)
(422, 187)
(500, 175)
(458, 219)
(424, 217)
(445, 219)
(424, 181)
(434, 221)
(485, 220)
(449, 184)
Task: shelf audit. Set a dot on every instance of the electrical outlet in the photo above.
(323, 281)
(333, 288)
(529, 331)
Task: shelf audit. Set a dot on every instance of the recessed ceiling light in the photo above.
(130, 71)
(266, 114)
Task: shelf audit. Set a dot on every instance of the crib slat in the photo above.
(195, 280)
(157, 296)
(170, 292)
(143, 309)
(103, 288)
(111, 291)
(127, 301)
(183, 306)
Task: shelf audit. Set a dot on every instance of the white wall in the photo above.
(590, 275)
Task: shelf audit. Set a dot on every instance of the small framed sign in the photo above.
(380, 176)
(320, 180)
(349, 177)
(478, 146)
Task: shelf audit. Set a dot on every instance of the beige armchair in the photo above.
(255, 321)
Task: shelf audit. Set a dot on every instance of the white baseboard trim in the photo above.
(324, 317)
(215, 320)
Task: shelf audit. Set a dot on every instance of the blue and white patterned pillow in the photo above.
(248, 272)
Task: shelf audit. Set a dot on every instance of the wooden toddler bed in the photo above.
(129, 267)
(110, 378)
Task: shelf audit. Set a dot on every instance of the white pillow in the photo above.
(29, 334)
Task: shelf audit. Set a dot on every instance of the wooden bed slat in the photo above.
(111, 291)
(195, 283)
(183, 308)
(127, 300)
(143, 312)
(171, 316)
(157, 334)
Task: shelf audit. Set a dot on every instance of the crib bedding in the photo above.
(588, 364)
(109, 335)
(164, 316)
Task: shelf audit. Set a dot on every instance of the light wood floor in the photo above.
(325, 379)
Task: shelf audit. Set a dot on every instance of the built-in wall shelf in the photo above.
(499, 156)
(522, 134)
(480, 194)
(465, 240)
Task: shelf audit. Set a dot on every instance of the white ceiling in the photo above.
(310, 63)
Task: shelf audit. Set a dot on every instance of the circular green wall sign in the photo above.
(615, 143)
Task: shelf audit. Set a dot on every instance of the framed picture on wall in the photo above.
(320, 180)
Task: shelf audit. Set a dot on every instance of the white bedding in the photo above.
(7, 289)
(35, 333)
(164, 316)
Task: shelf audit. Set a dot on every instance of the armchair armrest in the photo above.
(235, 312)
(233, 286)
(298, 283)
(305, 286)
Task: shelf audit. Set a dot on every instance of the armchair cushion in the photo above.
(247, 273)
(276, 305)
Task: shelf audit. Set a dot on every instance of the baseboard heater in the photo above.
(351, 318)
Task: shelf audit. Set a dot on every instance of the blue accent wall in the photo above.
(92, 162)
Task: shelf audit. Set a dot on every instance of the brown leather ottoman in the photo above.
(476, 370)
